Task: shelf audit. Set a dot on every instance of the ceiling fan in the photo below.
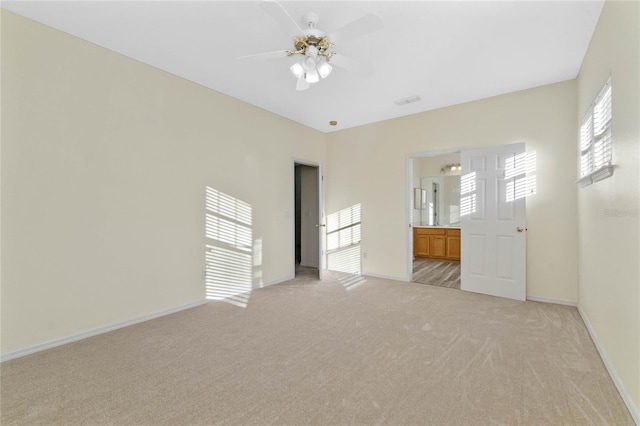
(314, 45)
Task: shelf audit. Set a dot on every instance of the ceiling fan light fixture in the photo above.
(324, 68)
(309, 63)
(312, 76)
(297, 70)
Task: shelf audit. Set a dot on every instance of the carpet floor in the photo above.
(356, 351)
(443, 273)
(306, 272)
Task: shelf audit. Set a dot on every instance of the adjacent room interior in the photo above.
(436, 220)
(199, 228)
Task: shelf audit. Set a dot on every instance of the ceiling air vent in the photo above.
(409, 100)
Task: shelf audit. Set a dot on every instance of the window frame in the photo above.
(595, 140)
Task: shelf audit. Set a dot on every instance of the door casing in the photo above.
(321, 216)
(409, 200)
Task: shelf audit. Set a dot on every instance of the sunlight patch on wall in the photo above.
(520, 173)
(468, 194)
(343, 240)
(230, 256)
(257, 262)
(345, 260)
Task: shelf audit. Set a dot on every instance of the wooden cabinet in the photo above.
(437, 246)
(420, 245)
(453, 244)
(436, 243)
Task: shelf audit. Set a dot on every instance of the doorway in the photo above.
(435, 220)
(308, 227)
(490, 240)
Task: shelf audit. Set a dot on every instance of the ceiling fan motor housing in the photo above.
(312, 38)
(320, 43)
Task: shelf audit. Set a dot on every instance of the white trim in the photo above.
(322, 261)
(435, 153)
(550, 300)
(409, 217)
(408, 206)
(633, 410)
(94, 332)
(596, 175)
(279, 280)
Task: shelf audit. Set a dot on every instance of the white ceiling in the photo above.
(446, 52)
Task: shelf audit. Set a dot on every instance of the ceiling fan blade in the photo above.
(278, 13)
(350, 65)
(265, 55)
(302, 84)
(367, 24)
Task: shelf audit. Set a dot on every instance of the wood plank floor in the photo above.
(443, 273)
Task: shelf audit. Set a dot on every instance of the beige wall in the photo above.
(368, 165)
(609, 225)
(104, 166)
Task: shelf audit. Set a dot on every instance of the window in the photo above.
(596, 146)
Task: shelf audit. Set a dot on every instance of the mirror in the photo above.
(440, 201)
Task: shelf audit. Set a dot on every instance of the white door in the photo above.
(493, 222)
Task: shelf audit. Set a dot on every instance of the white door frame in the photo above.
(321, 215)
(409, 197)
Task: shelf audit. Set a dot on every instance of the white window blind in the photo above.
(596, 145)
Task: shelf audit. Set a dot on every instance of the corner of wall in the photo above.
(608, 210)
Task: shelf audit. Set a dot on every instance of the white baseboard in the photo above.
(274, 281)
(631, 406)
(94, 332)
(550, 300)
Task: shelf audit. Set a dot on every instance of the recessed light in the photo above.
(333, 123)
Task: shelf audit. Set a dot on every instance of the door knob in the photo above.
(520, 229)
(318, 225)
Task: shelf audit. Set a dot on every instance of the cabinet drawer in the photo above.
(430, 231)
(453, 232)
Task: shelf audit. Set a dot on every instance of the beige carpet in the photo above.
(309, 352)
